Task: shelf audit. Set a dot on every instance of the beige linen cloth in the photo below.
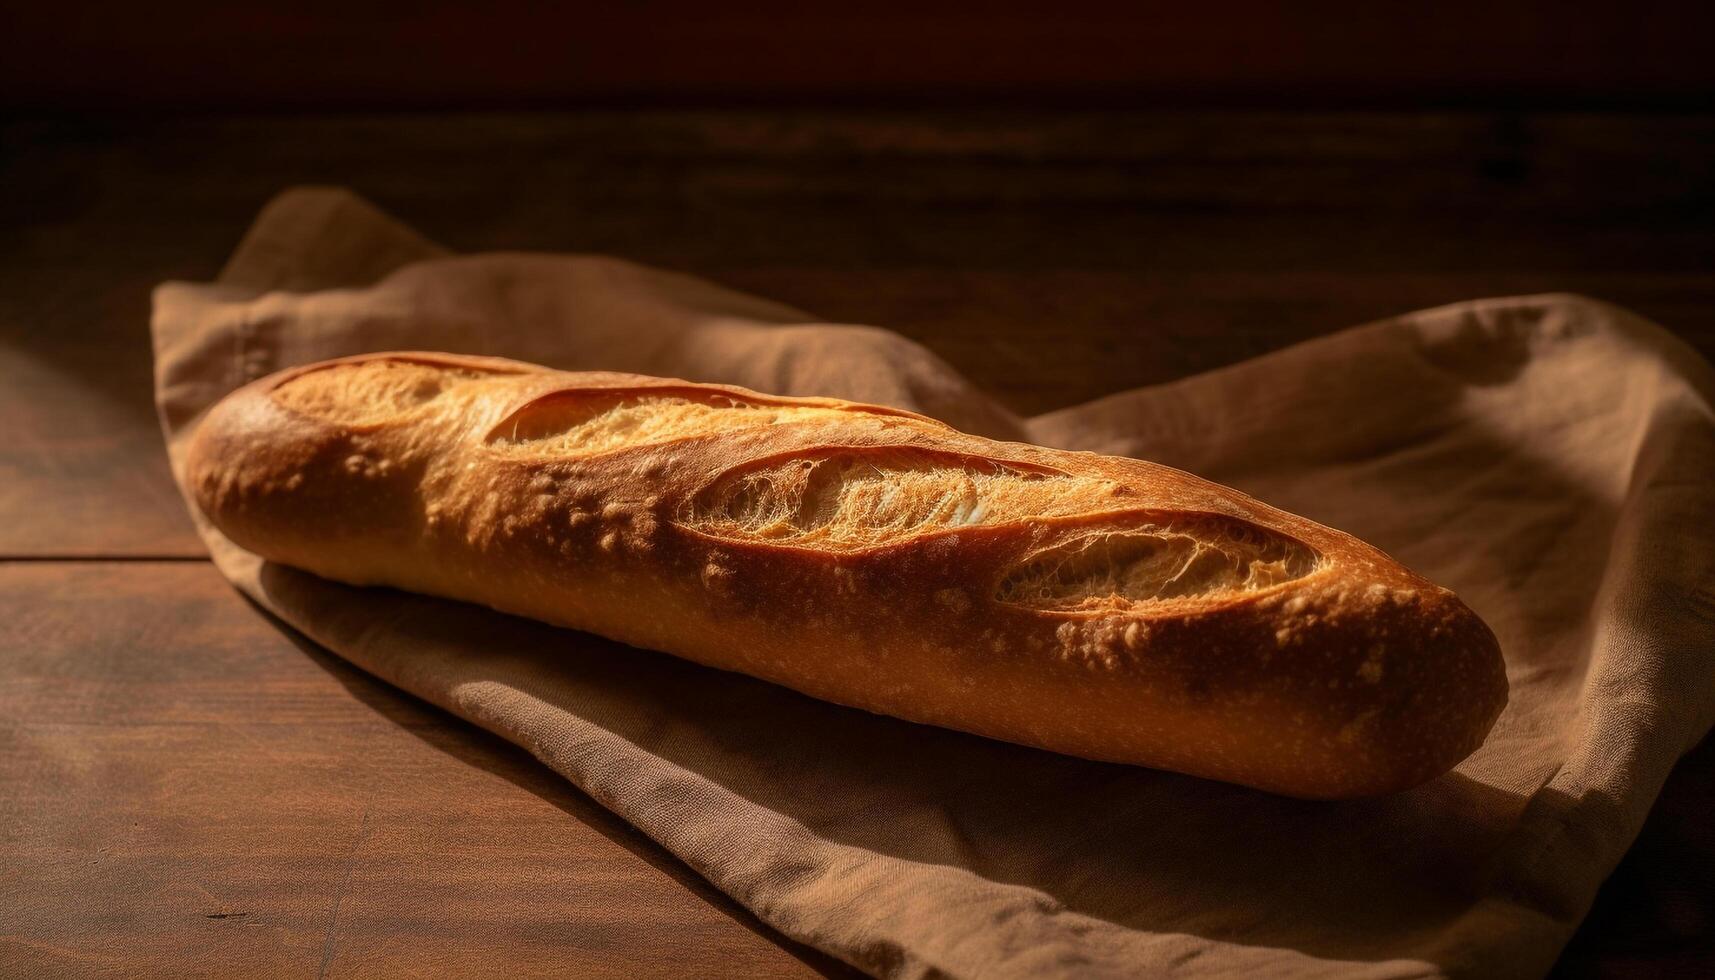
(1551, 458)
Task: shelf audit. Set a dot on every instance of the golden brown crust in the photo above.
(1103, 607)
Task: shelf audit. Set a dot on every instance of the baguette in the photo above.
(1103, 607)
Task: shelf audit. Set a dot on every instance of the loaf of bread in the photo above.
(1102, 607)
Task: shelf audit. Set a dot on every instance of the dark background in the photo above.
(1063, 200)
(508, 54)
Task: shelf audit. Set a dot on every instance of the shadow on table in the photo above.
(484, 750)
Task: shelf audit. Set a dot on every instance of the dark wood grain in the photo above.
(170, 760)
(191, 792)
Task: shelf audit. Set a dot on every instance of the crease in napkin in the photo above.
(1551, 458)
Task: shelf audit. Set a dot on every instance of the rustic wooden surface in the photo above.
(189, 790)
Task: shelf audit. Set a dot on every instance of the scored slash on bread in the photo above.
(1104, 607)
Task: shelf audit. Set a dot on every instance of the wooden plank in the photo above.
(82, 470)
(190, 792)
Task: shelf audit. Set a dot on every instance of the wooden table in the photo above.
(185, 788)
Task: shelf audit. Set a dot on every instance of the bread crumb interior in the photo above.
(850, 500)
(370, 392)
(583, 423)
(1198, 557)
